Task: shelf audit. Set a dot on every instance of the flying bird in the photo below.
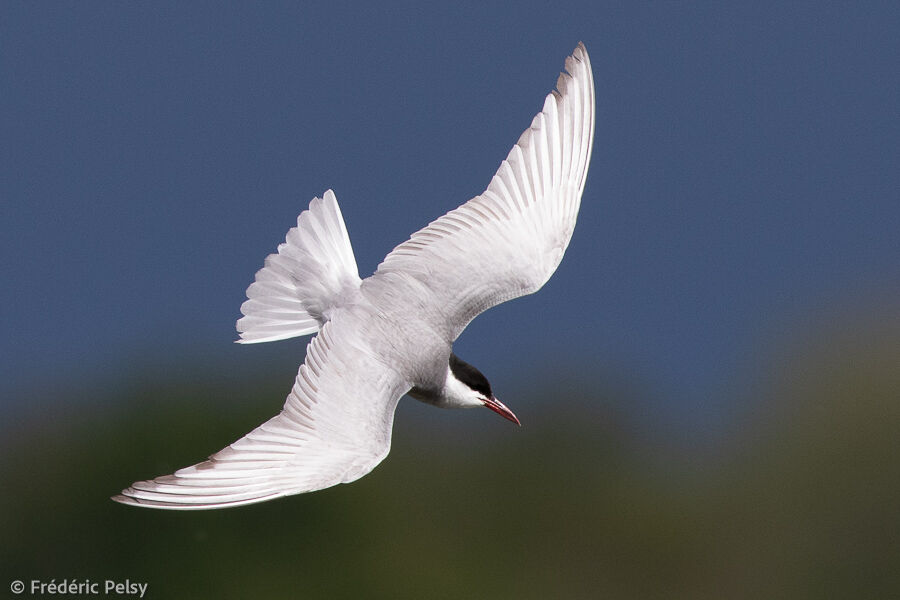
(392, 333)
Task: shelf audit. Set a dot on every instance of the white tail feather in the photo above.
(299, 285)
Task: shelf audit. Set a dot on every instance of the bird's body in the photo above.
(392, 333)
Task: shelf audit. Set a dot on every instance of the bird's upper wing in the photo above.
(334, 428)
(509, 240)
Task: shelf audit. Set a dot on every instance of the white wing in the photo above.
(334, 428)
(509, 240)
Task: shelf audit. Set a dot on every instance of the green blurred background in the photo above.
(798, 500)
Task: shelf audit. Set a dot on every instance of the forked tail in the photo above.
(297, 288)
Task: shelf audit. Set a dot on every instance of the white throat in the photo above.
(456, 394)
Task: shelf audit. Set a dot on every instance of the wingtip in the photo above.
(150, 499)
(122, 499)
(580, 49)
(578, 57)
(129, 500)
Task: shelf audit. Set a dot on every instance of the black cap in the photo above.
(470, 376)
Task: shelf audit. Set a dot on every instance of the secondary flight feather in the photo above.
(391, 334)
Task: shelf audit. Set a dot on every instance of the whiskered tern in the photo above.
(392, 333)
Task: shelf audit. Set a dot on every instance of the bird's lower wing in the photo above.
(335, 427)
(509, 240)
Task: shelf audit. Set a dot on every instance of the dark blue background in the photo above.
(743, 189)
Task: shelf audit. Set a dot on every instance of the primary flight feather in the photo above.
(392, 333)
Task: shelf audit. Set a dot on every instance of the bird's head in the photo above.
(466, 387)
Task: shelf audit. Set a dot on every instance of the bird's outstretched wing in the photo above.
(334, 428)
(509, 240)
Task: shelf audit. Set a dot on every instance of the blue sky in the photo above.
(744, 183)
